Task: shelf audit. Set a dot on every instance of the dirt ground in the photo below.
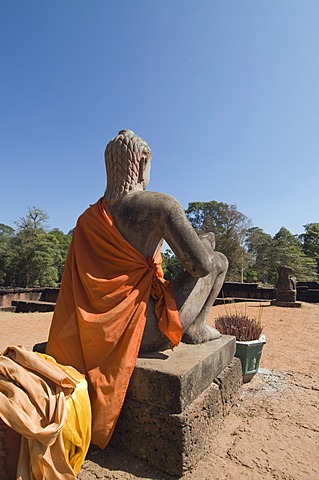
(272, 432)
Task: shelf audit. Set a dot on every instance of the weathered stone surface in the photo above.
(280, 303)
(173, 379)
(38, 294)
(286, 287)
(23, 306)
(286, 296)
(9, 452)
(229, 382)
(175, 442)
(7, 309)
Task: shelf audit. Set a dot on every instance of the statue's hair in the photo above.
(122, 160)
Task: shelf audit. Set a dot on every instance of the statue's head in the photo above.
(284, 270)
(127, 161)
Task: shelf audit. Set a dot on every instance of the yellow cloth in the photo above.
(76, 431)
(33, 402)
(101, 310)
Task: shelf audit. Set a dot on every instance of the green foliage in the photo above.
(34, 221)
(283, 249)
(310, 242)
(229, 226)
(34, 261)
(253, 255)
(171, 265)
(6, 233)
(31, 256)
(259, 245)
(250, 274)
(64, 244)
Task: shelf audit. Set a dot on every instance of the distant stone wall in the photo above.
(45, 294)
(306, 292)
(246, 290)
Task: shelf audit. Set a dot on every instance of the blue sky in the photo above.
(225, 93)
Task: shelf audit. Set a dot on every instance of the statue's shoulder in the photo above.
(151, 200)
(164, 198)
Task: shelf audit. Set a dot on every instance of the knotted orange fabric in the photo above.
(100, 314)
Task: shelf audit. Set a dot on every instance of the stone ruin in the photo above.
(286, 288)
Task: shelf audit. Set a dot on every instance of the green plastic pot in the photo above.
(249, 354)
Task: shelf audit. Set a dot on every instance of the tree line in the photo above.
(253, 254)
(33, 255)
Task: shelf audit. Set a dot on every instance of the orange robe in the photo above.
(101, 310)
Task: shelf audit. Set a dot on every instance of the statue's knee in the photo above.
(222, 262)
(208, 239)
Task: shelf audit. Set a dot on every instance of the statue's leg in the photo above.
(153, 339)
(194, 299)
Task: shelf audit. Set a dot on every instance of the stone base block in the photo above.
(278, 303)
(174, 441)
(173, 379)
(26, 306)
(7, 309)
(9, 452)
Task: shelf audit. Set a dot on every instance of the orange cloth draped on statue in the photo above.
(100, 314)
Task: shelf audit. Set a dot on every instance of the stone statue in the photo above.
(114, 302)
(146, 218)
(286, 287)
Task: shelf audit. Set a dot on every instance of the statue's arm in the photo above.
(194, 252)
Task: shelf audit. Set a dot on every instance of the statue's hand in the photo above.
(208, 240)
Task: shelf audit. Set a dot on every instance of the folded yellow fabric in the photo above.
(77, 428)
(33, 393)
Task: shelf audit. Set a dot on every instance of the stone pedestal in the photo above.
(9, 452)
(176, 402)
(280, 303)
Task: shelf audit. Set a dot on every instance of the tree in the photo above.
(34, 220)
(229, 226)
(34, 253)
(282, 249)
(6, 231)
(34, 259)
(6, 234)
(171, 265)
(31, 255)
(64, 241)
(259, 245)
(310, 242)
(288, 251)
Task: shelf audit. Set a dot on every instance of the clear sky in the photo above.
(226, 93)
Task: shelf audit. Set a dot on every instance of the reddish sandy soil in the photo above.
(292, 334)
(272, 432)
(24, 329)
